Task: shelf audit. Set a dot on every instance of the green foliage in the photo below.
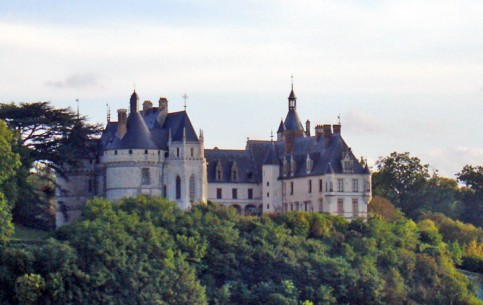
(28, 288)
(146, 251)
(47, 139)
(9, 162)
(6, 226)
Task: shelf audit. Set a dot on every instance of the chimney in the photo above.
(319, 131)
(146, 106)
(121, 122)
(163, 110)
(336, 128)
(307, 128)
(327, 134)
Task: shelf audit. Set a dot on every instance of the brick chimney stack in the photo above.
(121, 122)
(307, 128)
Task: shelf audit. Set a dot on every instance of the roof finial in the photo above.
(292, 80)
(134, 86)
(77, 101)
(271, 135)
(185, 97)
(108, 113)
(338, 118)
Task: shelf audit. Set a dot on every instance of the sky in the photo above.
(404, 76)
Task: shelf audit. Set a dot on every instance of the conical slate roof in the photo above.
(281, 127)
(137, 135)
(271, 158)
(292, 121)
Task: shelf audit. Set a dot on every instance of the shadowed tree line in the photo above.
(147, 251)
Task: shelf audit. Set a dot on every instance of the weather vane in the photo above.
(77, 101)
(185, 97)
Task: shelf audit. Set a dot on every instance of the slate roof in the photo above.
(292, 121)
(326, 159)
(144, 132)
(137, 135)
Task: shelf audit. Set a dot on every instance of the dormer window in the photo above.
(219, 171)
(285, 167)
(347, 162)
(234, 172)
(292, 166)
(308, 164)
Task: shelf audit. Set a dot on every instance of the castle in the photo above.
(157, 153)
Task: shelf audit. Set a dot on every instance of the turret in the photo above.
(134, 102)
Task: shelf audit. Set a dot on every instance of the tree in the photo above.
(52, 136)
(49, 139)
(381, 206)
(472, 194)
(9, 162)
(399, 178)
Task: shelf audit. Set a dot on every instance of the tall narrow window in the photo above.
(192, 188)
(355, 185)
(178, 187)
(165, 191)
(219, 194)
(234, 193)
(219, 171)
(234, 172)
(320, 186)
(192, 152)
(310, 186)
(177, 152)
(340, 206)
(340, 185)
(291, 188)
(145, 179)
(355, 208)
(250, 193)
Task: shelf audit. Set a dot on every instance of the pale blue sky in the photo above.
(404, 75)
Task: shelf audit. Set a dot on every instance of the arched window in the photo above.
(178, 187)
(192, 188)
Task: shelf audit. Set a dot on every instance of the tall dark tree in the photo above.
(47, 138)
(472, 194)
(400, 178)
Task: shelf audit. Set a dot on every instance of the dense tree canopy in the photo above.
(47, 139)
(9, 162)
(147, 251)
(49, 135)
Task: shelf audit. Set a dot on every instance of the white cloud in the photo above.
(450, 160)
(77, 81)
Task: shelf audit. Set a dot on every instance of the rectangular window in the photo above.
(145, 179)
(218, 194)
(268, 194)
(331, 186)
(310, 186)
(165, 191)
(340, 206)
(268, 206)
(234, 193)
(340, 185)
(268, 183)
(321, 185)
(192, 151)
(355, 208)
(284, 186)
(355, 185)
(291, 188)
(250, 193)
(177, 152)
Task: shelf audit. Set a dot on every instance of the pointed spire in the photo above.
(134, 102)
(292, 99)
